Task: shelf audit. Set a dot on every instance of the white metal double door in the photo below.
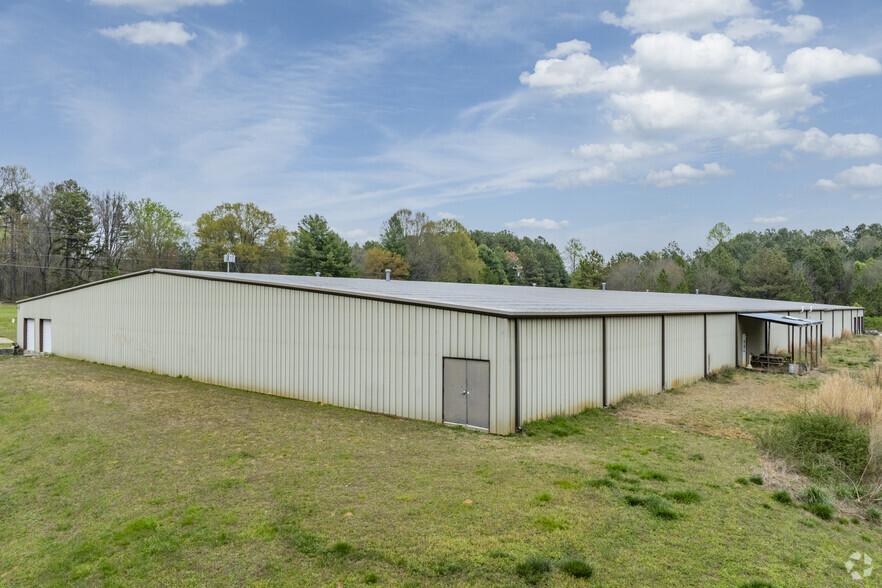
(467, 392)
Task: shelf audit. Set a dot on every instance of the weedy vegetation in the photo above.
(114, 477)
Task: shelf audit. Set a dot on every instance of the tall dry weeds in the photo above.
(858, 397)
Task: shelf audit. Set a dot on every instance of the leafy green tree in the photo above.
(718, 234)
(251, 234)
(574, 251)
(824, 266)
(317, 248)
(705, 278)
(531, 269)
(378, 260)
(393, 237)
(74, 230)
(554, 274)
(495, 263)
(768, 275)
(662, 282)
(590, 271)
(461, 260)
(156, 236)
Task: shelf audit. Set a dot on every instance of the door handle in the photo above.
(465, 391)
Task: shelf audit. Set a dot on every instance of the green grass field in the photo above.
(116, 477)
(7, 327)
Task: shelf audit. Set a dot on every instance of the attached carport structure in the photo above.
(805, 337)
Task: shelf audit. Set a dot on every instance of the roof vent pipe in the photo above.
(318, 274)
(696, 290)
(603, 286)
(388, 275)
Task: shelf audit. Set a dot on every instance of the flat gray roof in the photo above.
(516, 300)
(508, 301)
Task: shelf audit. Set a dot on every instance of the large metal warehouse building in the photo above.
(489, 357)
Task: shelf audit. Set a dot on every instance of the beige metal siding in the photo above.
(828, 323)
(779, 341)
(684, 350)
(561, 366)
(633, 359)
(721, 341)
(365, 354)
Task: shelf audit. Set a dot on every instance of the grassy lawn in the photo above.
(7, 327)
(111, 476)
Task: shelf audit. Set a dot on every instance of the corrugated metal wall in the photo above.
(561, 366)
(633, 359)
(684, 349)
(721, 341)
(829, 331)
(365, 354)
(779, 339)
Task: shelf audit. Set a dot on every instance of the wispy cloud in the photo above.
(621, 152)
(158, 6)
(683, 174)
(770, 220)
(597, 174)
(150, 33)
(533, 224)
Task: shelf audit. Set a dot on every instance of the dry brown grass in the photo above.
(856, 397)
(732, 409)
(846, 335)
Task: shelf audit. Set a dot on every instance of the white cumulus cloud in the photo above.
(150, 33)
(769, 220)
(861, 177)
(448, 216)
(622, 152)
(158, 6)
(683, 174)
(678, 15)
(544, 224)
(708, 87)
(813, 65)
(815, 140)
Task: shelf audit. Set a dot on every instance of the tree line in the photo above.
(60, 235)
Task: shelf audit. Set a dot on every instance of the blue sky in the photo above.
(624, 124)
